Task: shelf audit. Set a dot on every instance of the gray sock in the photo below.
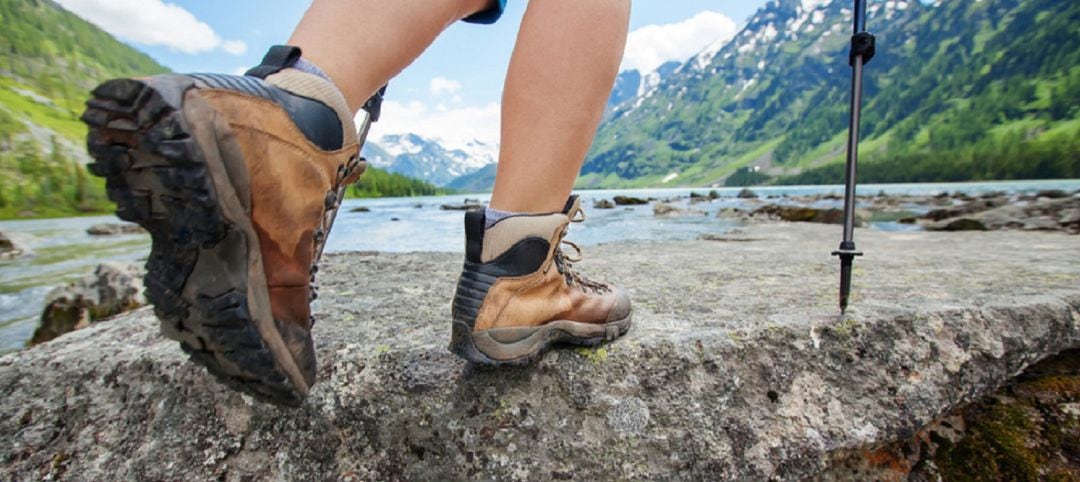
(492, 216)
(304, 65)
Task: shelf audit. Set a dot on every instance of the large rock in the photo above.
(112, 288)
(738, 367)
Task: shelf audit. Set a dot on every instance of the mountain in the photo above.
(625, 88)
(632, 84)
(51, 60)
(477, 181)
(952, 84)
(427, 159)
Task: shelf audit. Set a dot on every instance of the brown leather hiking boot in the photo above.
(518, 292)
(237, 179)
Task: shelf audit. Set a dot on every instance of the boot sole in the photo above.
(522, 346)
(204, 275)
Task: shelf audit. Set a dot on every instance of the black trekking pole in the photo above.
(862, 50)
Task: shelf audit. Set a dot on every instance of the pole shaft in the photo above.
(860, 16)
(859, 26)
(853, 150)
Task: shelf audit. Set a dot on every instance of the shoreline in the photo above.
(420, 225)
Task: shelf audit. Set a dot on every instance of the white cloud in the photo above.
(440, 86)
(235, 47)
(652, 45)
(153, 22)
(452, 126)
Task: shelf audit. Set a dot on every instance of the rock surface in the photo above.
(112, 288)
(738, 367)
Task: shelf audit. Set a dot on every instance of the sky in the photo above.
(450, 93)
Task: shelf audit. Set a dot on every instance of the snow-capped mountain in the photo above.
(783, 78)
(430, 160)
(632, 84)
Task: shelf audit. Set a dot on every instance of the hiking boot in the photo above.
(237, 179)
(519, 293)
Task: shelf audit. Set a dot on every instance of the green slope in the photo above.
(380, 183)
(51, 60)
(961, 90)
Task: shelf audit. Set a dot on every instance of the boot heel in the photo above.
(463, 345)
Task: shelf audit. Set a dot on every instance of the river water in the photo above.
(64, 252)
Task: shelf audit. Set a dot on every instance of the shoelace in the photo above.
(565, 263)
(346, 174)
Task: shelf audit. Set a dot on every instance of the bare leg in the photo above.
(362, 44)
(564, 65)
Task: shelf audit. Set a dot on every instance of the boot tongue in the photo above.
(573, 210)
(571, 203)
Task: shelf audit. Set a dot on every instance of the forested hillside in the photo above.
(381, 183)
(958, 91)
(51, 59)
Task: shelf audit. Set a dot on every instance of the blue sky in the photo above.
(452, 91)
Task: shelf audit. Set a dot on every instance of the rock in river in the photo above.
(956, 224)
(746, 193)
(662, 209)
(112, 229)
(629, 201)
(1044, 214)
(802, 214)
(467, 206)
(9, 249)
(603, 204)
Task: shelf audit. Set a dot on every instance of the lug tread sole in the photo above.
(463, 344)
(156, 174)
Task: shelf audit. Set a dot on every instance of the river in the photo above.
(65, 252)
